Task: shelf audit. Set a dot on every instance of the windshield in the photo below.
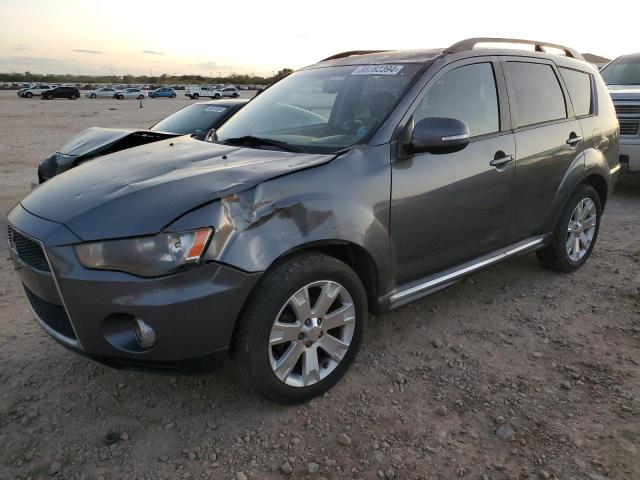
(622, 71)
(323, 110)
(192, 119)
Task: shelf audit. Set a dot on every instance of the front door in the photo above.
(450, 208)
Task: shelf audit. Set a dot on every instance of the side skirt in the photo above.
(425, 286)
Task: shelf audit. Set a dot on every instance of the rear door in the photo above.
(449, 208)
(548, 139)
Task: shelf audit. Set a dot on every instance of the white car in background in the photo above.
(104, 92)
(196, 91)
(137, 93)
(35, 90)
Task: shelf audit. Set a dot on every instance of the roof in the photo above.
(593, 58)
(228, 102)
(364, 57)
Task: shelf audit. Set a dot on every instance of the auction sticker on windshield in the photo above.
(377, 70)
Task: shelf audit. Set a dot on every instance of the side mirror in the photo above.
(211, 136)
(438, 135)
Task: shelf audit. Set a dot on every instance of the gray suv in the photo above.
(357, 184)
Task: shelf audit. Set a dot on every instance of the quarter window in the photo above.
(580, 90)
(537, 93)
(466, 93)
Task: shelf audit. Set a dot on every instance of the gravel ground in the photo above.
(514, 373)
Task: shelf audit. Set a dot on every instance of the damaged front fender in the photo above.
(310, 207)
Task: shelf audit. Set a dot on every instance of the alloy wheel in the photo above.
(581, 229)
(312, 333)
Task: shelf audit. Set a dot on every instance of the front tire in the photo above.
(216, 96)
(120, 97)
(576, 232)
(302, 328)
(93, 95)
(173, 95)
(195, 96)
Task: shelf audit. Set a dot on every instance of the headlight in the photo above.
(149, 256)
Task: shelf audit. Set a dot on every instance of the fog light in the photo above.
(145, 335)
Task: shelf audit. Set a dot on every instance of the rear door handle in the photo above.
(500, 160)
(573, 140)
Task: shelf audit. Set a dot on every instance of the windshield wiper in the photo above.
(250, 140)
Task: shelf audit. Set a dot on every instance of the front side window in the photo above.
(538, 95)
(580, 90)
(323, 109)
(466, 93)
(622, 71)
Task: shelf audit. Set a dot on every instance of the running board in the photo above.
(431, 284)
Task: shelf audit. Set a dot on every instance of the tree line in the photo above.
(164, 79)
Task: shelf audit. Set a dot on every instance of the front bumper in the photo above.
(630, 154)
(193, 313)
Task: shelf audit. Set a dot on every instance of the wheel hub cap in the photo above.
(581, 229)
(312, 333)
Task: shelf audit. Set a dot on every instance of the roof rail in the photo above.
(469, 43)
(351, 53)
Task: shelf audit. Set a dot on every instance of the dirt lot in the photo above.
(516, 372)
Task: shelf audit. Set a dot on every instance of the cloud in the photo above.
(151, 52)
(211, 65)
(33, 61)
(20, 46)
(83, 50)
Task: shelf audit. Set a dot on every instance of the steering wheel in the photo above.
(352, 126)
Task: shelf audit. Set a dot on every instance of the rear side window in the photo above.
(466, 93)
(537, 93)
(580, 90)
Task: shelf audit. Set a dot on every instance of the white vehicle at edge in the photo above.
(104, 92)
(196, 91)
(36, 90)
(136, 93)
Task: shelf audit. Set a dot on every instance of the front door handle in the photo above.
(573, 140)
(500, 160)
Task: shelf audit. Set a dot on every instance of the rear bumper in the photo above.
(193, 313)
(630, 155)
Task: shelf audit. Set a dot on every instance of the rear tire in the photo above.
(120, 97)
(216, 96)
(93, 95)
(28, 95)
(140, 97)
(271, 331)
(576, 233)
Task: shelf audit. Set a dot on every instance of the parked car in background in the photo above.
(104, 92)
(136, 93)
(196, 120)
(230, 92)
(622, 77)
(61, 92)
(163, 92)
(196, 91)
(35, 90)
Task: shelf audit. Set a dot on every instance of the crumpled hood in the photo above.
(624, 92)
(142, 190)
(92, 139)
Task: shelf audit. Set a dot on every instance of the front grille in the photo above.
(629, 127)
(28, 251)
(622, 109)
(54, 316)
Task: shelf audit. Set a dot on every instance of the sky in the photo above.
(260, 37)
